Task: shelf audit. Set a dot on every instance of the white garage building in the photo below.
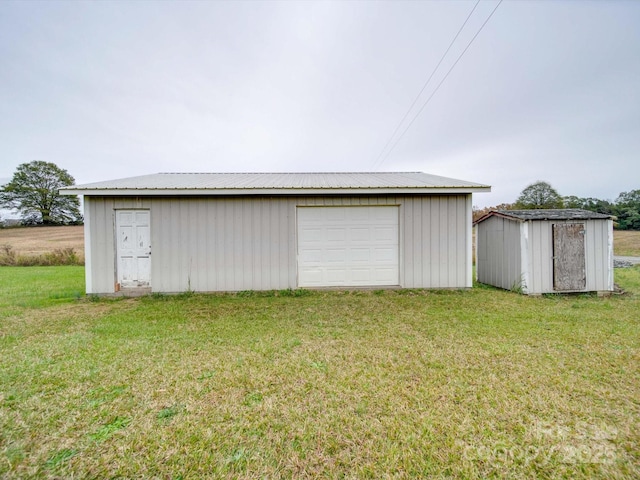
(176, 232)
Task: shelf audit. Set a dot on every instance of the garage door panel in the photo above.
(315, 215)
(348, 246)
(335, 255)
(309, 256)
(359, 255)
(385, 255)
(385, 275)
(385, 215)
(362, 214)
(335, 276)
(308, 235)
(312, 276)
(359, 234)
(336, 234)
(362, 275)
(385, 234)
(332, 214)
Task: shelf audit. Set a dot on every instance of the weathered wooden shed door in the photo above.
(569, 271)
(133, 248)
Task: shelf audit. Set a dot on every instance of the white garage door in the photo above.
(347, 246)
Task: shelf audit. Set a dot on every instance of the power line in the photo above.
(415, 100)
(437, 88)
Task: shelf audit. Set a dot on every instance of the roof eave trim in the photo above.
(498, 214)
(540, 219)
(265, 191)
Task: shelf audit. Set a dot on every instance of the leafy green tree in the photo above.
(34, 192)
(591, 204)
(573, 202)
(627, 209)
(539, 195)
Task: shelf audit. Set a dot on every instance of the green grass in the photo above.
(409, 384)
(22, 287)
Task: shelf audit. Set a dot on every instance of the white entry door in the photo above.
(133, 248)
(348, 246)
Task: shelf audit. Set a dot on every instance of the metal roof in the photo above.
(276, 183)
(547, 214)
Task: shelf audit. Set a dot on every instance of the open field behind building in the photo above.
(39, 240)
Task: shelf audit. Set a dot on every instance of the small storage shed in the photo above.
(545, 251)
(176, 232)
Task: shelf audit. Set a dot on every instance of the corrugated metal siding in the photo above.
(223, 244)
(540, 257)
(88, 245)
(236, 243)
(599, 255)
(500, 249)
(433, 242)
(102, 240)
(597, 258)
(499, 253)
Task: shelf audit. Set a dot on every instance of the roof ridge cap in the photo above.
(281, 173)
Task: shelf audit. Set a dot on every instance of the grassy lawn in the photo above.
(38, 287)
(377, 384)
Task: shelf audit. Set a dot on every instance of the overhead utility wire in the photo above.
(415, 100)
(438, 86)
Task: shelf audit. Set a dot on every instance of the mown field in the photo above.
(378, 384)
(39, 240)
(626, 243)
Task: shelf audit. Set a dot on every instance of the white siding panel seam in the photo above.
(609, 226)
(88, 261)
(468, 234)
(524, 256)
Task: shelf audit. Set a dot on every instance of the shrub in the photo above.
(7, 256)
(58, 257)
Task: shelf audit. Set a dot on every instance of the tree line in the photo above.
(626, 208)
(34, 193)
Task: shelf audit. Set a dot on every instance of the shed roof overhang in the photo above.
(534, 215)
(128, 192)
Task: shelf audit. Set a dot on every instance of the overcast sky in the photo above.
(548, 90)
